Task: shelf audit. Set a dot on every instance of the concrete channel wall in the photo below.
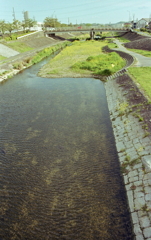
(134, 152)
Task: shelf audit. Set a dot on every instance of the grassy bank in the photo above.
(142, 76)
(142, 52)
(33, 59)
(2, 57)
(39, 56)
(83, 59)
(122, 39)
(18, 46)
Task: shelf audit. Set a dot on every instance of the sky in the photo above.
(77, 12)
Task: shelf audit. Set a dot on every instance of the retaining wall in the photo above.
(134, 152)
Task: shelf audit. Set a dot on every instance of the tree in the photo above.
(30, 23)
(3, 26)
(10, 27)
(17, 25)
(27, 24)
(51, 22)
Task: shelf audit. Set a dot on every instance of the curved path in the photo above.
(141, 61)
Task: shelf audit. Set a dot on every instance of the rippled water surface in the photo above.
(60, 176)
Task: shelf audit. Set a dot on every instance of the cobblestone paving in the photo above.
(134, 151)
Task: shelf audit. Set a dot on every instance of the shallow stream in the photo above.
(60, 175)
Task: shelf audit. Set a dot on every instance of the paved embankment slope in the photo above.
(6, 51)
(134, 150)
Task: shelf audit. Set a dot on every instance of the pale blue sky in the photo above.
(85, 11)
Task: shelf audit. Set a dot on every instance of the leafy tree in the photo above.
(3, 26)
(10, 27)
(51, 22)
(88, 24)
(17, 25)
(27, 24)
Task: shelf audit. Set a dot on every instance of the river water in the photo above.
(60, 175)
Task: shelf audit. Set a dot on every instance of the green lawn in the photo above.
(142, 76)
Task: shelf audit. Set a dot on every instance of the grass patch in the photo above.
(128, 162)
(14, 36)
(122, 39)
(142, 76)
(103, 64)
(83, 58)
(70, 55)
(18, 65)
(2, 57)
(112, 45)
(123, 108)
(18, 46)
(47, 52)
(142, 52)
(83, 36)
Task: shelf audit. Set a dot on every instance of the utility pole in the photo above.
(129, 16)
(14, 18)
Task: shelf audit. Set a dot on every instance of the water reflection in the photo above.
(60, 177)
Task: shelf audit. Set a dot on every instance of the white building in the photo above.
(37, 27)
(142, 23)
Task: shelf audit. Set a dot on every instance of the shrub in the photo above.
(101, 64)
(18, 65)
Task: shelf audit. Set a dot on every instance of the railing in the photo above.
(80, 29)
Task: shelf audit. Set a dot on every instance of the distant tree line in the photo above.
(50, 22)
(16, 26)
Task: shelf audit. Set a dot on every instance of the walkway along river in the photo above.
(60, 174)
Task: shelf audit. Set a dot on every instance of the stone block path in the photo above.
(134, 152)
